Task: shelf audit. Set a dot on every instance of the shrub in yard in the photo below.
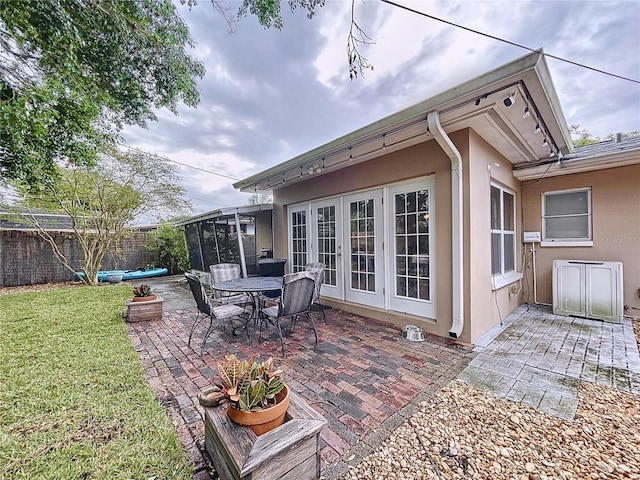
(168, 245)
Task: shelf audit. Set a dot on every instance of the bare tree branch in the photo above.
(357, 38)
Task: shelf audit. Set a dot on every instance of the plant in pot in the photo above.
(256, 394)
(143, 293)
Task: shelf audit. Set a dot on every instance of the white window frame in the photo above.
(501, 279)
(568, 242)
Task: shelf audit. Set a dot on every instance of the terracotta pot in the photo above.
(263, 420)
(145, 299)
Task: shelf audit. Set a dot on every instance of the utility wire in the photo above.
(180, 163)
(509, 42)
(203, 170)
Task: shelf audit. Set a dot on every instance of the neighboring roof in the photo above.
(228, 212)
(48, 221)
(476, 104)
(598, 156)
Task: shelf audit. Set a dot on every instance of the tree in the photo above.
(258, 199)
(168, 245)
(73, 72)
(103, 200)
(585, 138)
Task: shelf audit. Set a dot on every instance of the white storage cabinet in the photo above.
(588, 289)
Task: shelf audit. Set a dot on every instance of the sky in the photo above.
(269, 95)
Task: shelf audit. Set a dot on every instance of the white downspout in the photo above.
(457, 219)
(243, 263)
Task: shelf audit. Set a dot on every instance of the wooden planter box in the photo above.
(144, 311)
(289, 452)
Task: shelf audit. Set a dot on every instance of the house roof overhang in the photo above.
(477, 104)
(601, 156)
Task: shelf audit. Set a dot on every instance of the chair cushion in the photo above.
(226, 311)
(270, 311)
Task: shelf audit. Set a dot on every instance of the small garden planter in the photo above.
(288, 452)
(142, 311)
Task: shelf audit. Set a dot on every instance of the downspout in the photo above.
(243, 263)
(457, 219)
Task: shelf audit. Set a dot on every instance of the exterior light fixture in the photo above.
(537, 130)
(384, 142)
(526, 112)
(545, 143)
(350, 154)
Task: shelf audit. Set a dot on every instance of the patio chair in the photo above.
(227, 271)
(220, 313)
(297, 295)
(317, 270)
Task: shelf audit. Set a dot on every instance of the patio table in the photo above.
(252, 286)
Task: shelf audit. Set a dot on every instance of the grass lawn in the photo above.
(74, 401)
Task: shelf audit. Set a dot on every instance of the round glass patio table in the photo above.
(253, 286)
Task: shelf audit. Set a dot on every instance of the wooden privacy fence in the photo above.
(27, 259)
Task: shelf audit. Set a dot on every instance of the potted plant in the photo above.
(255, 392)
(143, 293)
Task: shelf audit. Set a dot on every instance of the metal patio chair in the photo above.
(317, 270)
(296, 299)
(227, 271)
(220, 313)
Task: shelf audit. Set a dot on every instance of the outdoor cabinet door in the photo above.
(326, 244)
(364, 260)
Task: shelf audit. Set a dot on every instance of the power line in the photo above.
(183, 164)
(203, 170)
(509, 42)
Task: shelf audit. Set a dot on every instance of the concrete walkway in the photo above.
(538, 358)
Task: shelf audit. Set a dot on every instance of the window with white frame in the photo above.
(566, 216)
(503, 231)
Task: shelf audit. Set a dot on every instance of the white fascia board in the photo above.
(580, 165)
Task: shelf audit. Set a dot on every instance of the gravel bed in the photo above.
(466, 433)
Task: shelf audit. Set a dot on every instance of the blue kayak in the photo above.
(129, 274)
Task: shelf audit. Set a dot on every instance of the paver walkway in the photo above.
(538, 358)
(363, 377)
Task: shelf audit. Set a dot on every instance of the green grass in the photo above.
(74, 401)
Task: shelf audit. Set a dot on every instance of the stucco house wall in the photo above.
(485, 305)
(425, 159)
(615, 196)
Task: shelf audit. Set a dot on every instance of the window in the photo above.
(503, 231)
(566, 217)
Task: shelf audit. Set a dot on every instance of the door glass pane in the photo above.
(362, 245)
(327, 241)
(412, 244)
(299, 241)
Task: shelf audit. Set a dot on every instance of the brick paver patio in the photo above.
(363, 377)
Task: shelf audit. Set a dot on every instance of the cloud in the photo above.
(269, 95)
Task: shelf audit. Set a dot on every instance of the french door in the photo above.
(364, 265)
(376, 246)
(410, 212)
